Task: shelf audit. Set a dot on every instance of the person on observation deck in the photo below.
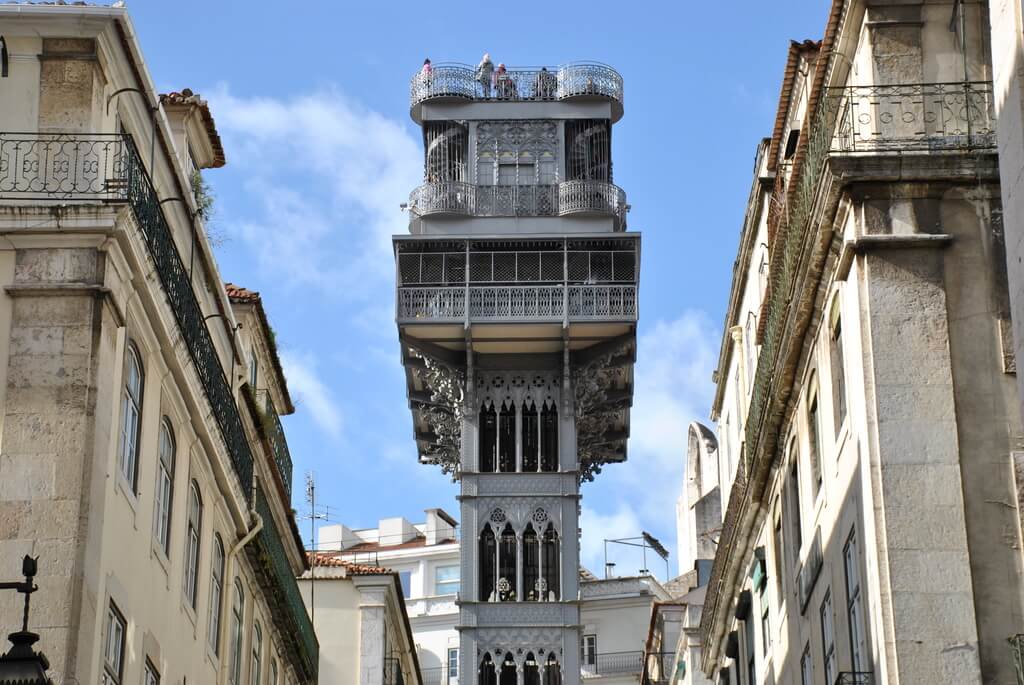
(485, 74)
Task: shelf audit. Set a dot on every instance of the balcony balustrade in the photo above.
(459, 81)
(542, 303)
(455, 198)
(855, 678)
(275, 435)
(56, 166)
(611, 664)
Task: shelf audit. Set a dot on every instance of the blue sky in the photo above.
(311, 100)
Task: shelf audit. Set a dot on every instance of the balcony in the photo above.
(918, 117)
(87, 167)
(611, 664)
(454, 82)
(568, 198)
(657, 668)
(274, 431)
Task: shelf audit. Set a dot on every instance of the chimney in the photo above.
(395, 531)
(335, 538)
(440, 527)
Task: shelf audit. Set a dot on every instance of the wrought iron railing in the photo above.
(57, 166)
(657, 668)
(518, 266)
(1017, 650)
(393, 671)
(284, 591)
(518, 303)
(439, 675)
(275, 435)
(451, 80)
(611, 663)
(562, 199)
(913, 117)
(855, 678)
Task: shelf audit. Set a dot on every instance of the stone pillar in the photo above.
(70, 90)
(372, 626)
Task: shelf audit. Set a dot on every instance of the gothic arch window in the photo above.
(508, 671)
(507, 568)
(530, 436)
(552, 671)
(549, 563)
(488, 559)
(488, 437)
(549, 437)
(531, 670)
(487, 674)
(507, 437)
(531, 564)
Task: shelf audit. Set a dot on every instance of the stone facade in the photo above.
(871, 532)
(134, 464)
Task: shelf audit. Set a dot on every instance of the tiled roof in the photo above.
(351, 568)
(240, 295)
(187, 97)
(418, 541)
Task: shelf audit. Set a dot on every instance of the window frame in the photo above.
(438, 583)
(854, 603)
(150, 674)
(837, 367)
(216, 594)
(453, 662)
(256, 654)
(113, 673)
(238, 625)
(163, 505)
(828, 637)
(193, 542)
(588, 649)
(812, 414)
(131, 399)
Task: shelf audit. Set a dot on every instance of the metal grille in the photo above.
(583, 266)
(450, 80)
(518, 303)
(62, 166)
(275, 435)
(602, 302)
(588, 150)
(434, 304)
(445, 146)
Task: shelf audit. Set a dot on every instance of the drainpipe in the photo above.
(229, 584)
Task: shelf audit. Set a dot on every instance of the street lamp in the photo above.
(22, 665)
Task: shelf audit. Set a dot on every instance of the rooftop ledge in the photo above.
(453, 82)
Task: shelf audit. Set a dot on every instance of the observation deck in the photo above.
(577, 81)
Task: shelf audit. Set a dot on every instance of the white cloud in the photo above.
(326, 176)
(598, 527)
(311, 393)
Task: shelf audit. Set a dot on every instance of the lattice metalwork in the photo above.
(539, 302)
(602, 302)
(519, 303)
(434, 304)
(284, 595)
(453, 80)
(447, 197)
(62, 166)
(916, 116)
(275, 436)
(591, 197)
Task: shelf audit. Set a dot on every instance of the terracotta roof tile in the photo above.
(240, 295)
(187, 97)
(352, 568)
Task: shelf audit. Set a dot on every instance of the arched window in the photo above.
(487, 676)
(257, 652)
(216, 593)
(164, 487)
(531, 670)
(531, 564)
(508, 671)
(488, 437)
(814, 437)
(507, 571)
(552, 671)
(549, 563)
(836, 364)
(237, 614)
(530, 437)
(131, 413)
(507, 437)
(192, 537)
(549, 437)
(488, 561)
(273, 671)
(750, 342)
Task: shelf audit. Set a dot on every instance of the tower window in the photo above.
(488, 557)
(549, 437)
(508, 576)
(531, 565)
(550, 563)
(488, 437)
(530, 437)
(507, 437)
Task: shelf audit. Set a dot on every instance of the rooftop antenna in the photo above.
(313, 518)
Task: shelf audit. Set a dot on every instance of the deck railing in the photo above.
(518, 266)
(855, 678)
(275, 435)
(561, 199)
(518, 303)
(611, 664)
(452, 80)
(58, 166)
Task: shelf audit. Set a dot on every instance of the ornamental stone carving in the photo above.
(595, 414)
(536, 137)
(520, 512)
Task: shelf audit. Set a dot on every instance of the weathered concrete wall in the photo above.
(68, 86)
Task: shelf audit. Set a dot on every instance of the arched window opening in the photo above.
(445, 146)
(237, 616)
(488, 437)
(192, 537)
(552, 671)
(164, 487)
(488, 558)
(588, 150)
(507, 571)
(531, 565)
(508, 671)
(530, 437)
(549, 562)
(507, 437)
(131, 412)
(531, 670)
(216, 590)
(487, 676)
(549, 437)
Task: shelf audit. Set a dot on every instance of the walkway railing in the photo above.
(611, 664)
(57, 166)
(657, 668)
(855, 678)
(452, 80)
(518, 303)
(518, 266)
(562, 199)
(275, 435)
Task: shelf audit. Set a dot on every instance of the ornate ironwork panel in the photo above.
(540, 302)
(602, 302)
(62, 166)
(275, 435)
(434, 304)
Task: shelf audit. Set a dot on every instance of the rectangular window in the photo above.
(766, 635)
(151, 676)
(453, 663)
(828, 643)
(446, 580)
(854, 607)
(806, 667)
(814, 439)
(485, 172)
(406, 578)
(507, 174)
(113, 647)
(838, 372)
(748, 639)
(795, 514)
(777, 553)
(588, 650)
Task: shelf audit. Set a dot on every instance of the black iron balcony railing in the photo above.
(855, 678)
(611, 664)
(583, 197)
(913, 117)
(275, 435)
(284, 591)
(657, 668)
(53, 166)
(452, 80)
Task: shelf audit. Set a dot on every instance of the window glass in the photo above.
(237, 614)
(113, 648)
(806, 667)
(766, 635)
(453, 663)
(131, 411)
(446, 580)
(216, 592)
(828, 644)
(406, 578)
(151, 676)
(164, 487)
(195, 514)
(814, 440)
(257, 651)
(588, 650)
(854, 607)
(836, 363)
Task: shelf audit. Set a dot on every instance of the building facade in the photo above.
(516, 309)
(866, 404)
(141, 459)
